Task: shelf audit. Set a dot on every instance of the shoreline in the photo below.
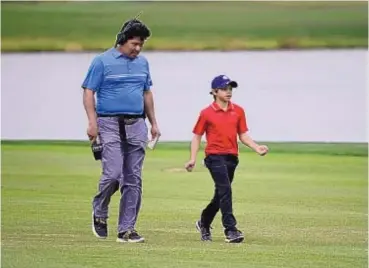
(28, 51)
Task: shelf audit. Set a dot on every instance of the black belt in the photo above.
(125, 116)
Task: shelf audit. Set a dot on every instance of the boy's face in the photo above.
(223, 94)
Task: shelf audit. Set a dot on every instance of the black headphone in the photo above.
(121, 36)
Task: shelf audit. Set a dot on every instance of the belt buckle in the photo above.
(130, 121)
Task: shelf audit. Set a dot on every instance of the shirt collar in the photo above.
(116, 53)
(216, 107)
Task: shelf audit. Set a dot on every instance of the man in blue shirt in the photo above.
(121, 81)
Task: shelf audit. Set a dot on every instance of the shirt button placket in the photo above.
(129, 67)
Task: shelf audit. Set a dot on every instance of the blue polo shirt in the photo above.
(119, 82)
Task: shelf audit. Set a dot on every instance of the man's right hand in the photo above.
(190, 165)
(92, 132)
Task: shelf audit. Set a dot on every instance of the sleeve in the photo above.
(95, 75)
(148, 83)
(242, 124)
(200, 125)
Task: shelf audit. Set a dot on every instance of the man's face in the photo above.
(223, 94)
(133, 47)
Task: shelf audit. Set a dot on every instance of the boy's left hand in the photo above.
(262, 150)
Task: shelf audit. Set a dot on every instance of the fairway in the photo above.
(75, 26)
(296, 209)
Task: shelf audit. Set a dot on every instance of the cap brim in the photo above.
(233, 84)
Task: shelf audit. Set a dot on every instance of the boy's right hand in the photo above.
(190, 165)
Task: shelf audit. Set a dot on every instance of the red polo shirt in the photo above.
(221, 128)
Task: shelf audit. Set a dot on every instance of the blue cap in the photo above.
(222, 81)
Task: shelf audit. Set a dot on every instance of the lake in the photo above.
(317, 95)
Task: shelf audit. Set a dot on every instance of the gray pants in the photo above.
(122, 159)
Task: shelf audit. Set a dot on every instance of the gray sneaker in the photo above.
(204, 231)
(130, 237)
(99, 227)
(234, 236)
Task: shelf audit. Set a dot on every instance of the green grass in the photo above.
(296, 209)
(74, 26)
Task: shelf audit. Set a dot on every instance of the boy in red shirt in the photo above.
(222, 122)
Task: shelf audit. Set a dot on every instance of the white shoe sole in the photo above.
(236, 240)
(199, 230)
(198, 226)
(120, 240)
(93, 229)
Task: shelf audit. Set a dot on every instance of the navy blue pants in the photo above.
(222, 168)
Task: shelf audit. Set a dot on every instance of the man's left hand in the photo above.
(155, 132)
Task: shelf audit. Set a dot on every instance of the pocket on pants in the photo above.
(232, 161)
(218, 170)
(137, 133)
(213, 161)
(108, 130)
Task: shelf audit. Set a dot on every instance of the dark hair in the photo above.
(211, 93)
(131, 29)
